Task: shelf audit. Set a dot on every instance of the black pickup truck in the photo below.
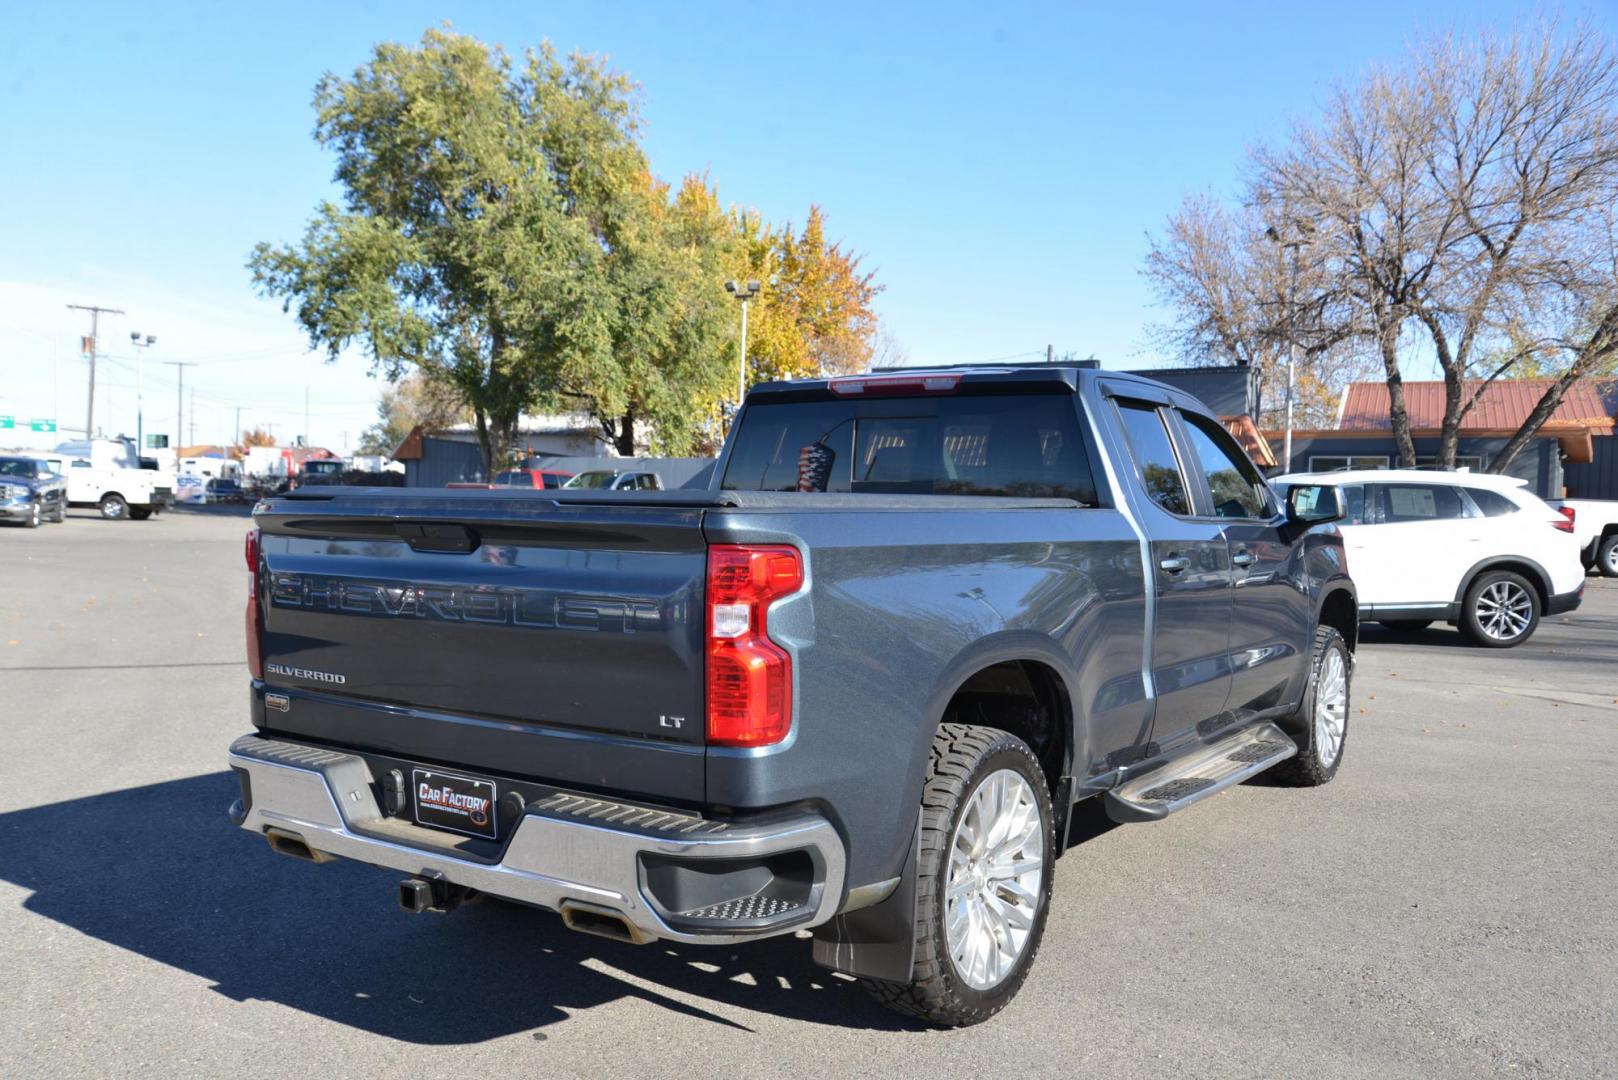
(856, 685)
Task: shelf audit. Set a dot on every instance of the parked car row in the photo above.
(39, 486)
(556, 479)
(1475, 550)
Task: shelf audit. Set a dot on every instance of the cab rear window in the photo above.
(1022, 445)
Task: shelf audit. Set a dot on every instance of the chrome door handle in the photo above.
(1175, 563)
(1242, 558)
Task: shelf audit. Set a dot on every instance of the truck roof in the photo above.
(1073, 375)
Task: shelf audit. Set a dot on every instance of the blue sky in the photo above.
(999, 166)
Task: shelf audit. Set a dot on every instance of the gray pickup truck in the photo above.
(855, 686)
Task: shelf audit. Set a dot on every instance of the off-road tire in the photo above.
(1405, 626)
(962, 755)
(1473, 628)
(1607, 556)
(1305, 768)
(113, 507)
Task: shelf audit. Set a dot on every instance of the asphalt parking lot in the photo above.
(1446, 907)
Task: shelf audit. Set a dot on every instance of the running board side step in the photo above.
(1203, 771)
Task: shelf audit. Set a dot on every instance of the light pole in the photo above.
(744, 293)
(1291, 246)
(141, 344)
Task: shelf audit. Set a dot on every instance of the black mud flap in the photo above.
(876, 942)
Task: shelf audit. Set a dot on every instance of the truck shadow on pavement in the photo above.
(159, 871)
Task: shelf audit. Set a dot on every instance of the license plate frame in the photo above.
(452, 802)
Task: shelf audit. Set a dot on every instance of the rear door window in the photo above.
(1025, 445)
(1154, 455)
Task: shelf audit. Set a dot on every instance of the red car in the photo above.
(532, 478)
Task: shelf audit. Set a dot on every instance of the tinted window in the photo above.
(1492, 503)
(1238, 492)
(514, 478)
(1154, 453)
(552, 480)
(1421, 502)
(1353, 496)
(1020, 445)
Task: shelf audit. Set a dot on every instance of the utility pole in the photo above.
(179, 399)
(93, 341)
(306, 411)
(236, 437)
(1050, 354)
(1304, 237)
(191, 440)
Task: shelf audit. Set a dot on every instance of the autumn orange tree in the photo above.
(815, 315)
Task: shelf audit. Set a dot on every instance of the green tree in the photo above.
(466, 246)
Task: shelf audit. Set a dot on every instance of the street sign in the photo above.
(8, 421)
(42, 425)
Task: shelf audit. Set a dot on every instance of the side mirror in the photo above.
(1314, 504)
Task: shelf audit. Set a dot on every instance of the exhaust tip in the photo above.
(290, 843)
(600, 921)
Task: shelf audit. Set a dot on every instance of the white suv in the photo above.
(1473, 549)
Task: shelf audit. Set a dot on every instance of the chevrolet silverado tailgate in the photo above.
(513, 634)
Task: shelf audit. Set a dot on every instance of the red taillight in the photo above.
(1566, 524)
(749, 676)
(255, 655)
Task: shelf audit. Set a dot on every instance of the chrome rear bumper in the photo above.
(567, 847)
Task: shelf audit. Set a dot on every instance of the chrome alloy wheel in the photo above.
(996, 875)
(1504, 610)
(1612, 560)
(1331, 707)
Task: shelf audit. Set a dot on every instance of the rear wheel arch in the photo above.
(1339, 609)
(1025, 697)
(1517, 564)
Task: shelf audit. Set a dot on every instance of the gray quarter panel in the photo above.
(900, 607)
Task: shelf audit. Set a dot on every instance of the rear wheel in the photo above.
(1607, 556)
(983, 881)
(1501, 610)
(113, 507)
(1320, 726)
(1408, 626)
